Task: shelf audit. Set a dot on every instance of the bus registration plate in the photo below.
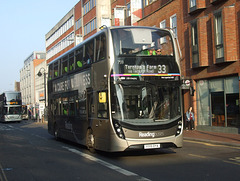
(151, 146)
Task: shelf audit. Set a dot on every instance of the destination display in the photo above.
(145, 69)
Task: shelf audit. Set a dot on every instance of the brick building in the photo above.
(208, 34)
(82, 21)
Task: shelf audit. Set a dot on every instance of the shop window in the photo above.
(218, 103)
(233, 116)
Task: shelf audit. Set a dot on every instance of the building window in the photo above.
(60, 31)
(194, 33)
(192, 3)
(78, 24)
(219, 37)
(128, 10)
(88, 6)
(173, 24)
(163, 25)
(147, 2)
(90, 26)
(218, 102)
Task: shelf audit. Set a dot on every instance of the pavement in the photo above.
(212, 137)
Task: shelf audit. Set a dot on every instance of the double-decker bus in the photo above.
(10, 106)
(118, 90)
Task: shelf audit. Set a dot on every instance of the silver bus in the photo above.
(118, 90)
(10, 106)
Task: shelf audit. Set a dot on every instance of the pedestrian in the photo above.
(190, 119)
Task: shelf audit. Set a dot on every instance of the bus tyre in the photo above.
(90, 141)
(56, 132)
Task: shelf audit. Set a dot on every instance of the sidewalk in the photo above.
(212, 137)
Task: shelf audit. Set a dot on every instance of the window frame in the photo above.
(218, 37)
(173, 28)
(194, 43)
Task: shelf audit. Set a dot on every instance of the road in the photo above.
(28, 152)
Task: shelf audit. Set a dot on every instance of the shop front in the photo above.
(218, 105)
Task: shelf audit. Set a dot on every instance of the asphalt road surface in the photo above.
(28, 152)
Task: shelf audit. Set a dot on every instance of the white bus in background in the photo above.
(10, 106)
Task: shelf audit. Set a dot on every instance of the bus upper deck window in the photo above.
(89, 53)
(56, 69)
(71, 62)
(101, 47)
(64, 65)
(79, 58)
(51, 71)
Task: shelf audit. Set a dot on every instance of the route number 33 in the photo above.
(162, 69)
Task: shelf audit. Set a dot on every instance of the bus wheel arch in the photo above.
(90, 141)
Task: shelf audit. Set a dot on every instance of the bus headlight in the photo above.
(179, 128)
(118, 129)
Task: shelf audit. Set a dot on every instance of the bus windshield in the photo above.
(11, 97)
(142, 41)
(147, 103)
(145, 77)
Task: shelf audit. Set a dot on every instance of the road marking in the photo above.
(2, 174)
(199, 156)
(6, 128)
(235, 160)
(231, 162)
(108, 165)
(213, 145)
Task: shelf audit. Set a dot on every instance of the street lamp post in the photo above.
(41, 72)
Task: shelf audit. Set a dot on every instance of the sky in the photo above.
(23, 26)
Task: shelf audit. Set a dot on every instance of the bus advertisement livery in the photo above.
(10, 106)
(118, 90)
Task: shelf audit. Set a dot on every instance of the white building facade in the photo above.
(28, 80)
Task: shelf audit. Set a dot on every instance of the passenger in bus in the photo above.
(152, 52)
(159, 52)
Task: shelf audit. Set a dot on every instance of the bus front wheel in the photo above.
(90, 140)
